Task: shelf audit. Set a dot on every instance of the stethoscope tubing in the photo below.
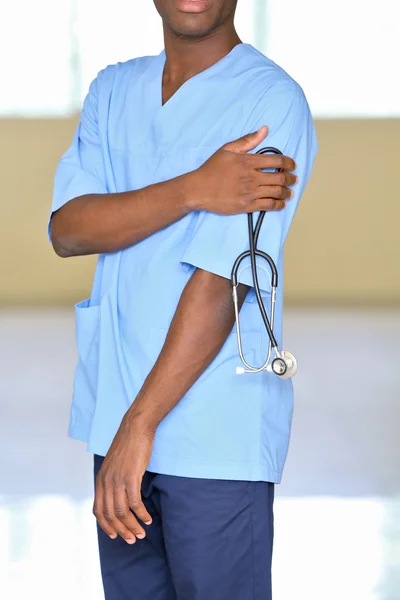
(253, 252)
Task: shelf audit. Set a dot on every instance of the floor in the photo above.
(337, 510)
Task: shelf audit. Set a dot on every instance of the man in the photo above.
(158, 178)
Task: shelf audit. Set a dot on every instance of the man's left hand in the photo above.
(118, 505)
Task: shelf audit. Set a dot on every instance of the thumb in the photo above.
(248, 142)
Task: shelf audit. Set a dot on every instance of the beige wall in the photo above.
(343, 247)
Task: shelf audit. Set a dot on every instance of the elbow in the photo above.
(63, 242)
(61, 247)
(61, 250)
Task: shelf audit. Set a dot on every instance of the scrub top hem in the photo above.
(204, 468)
(78, 433)
(179, 466)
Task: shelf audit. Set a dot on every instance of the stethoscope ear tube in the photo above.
(261, 254)
(284, 364)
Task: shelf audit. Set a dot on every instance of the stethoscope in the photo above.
(284, 364)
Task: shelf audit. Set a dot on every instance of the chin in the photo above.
(191, 32)
(188, 21)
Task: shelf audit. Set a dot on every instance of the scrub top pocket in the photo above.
(87, 319)
(85, 382)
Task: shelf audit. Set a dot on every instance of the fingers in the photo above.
(102, 515)
(274, 192)
(136, 503)
(126, 523)
(266, 204)
(283, 179)
(112, 511)
(270, 198)
(270, 161)
(247, 142)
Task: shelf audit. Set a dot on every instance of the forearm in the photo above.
(202, 322)
(105, 223)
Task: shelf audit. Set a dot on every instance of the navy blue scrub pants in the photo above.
(209, 540)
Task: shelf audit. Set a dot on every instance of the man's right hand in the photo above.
(232, 181)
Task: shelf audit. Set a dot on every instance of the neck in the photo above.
(187, 57)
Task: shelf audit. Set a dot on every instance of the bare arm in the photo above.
(103, 223)
(201, 324)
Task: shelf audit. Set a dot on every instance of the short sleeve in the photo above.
(81, 169)
(217, 240)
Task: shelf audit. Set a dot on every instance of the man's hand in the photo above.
(228, 183)
(118, 505)
(231, 181)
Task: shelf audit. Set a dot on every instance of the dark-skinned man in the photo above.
(158, 180)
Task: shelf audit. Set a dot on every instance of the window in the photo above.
(36, 58)
(343, 53)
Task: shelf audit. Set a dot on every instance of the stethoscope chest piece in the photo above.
(285, 366)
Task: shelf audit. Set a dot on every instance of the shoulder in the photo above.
(270, 84)
(119, 75)
(276, 100)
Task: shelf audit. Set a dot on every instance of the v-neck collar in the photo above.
(159, 72)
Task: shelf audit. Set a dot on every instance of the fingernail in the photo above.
(130, 541)
(113, 537)
(141, 536)
(148, 522)
(291, 194)
(297, 179)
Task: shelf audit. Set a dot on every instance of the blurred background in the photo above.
(338, 508)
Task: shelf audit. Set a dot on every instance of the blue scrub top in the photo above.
(227, 426)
